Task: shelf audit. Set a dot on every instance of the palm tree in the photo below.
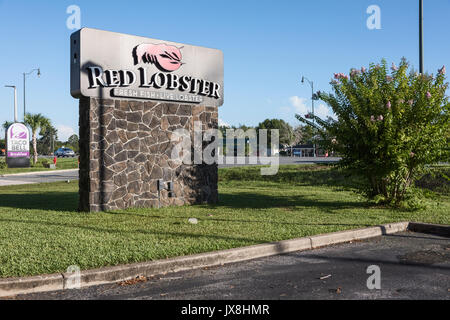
(47, 142)
(36, 122)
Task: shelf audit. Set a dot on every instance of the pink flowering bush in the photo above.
(389, 126)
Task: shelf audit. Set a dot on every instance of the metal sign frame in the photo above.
(113, 65)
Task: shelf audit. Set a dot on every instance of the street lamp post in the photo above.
(24, 80)
(15, 102)
(311, 83)
(421, 36)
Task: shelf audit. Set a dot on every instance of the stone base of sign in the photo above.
(125, 148)
(23, 162)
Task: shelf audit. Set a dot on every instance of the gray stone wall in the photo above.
(125, 148)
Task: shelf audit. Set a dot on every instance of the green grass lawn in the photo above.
(62, 164)
(40, 231)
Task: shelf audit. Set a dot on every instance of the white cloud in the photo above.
(64, 132)
(301, 107)
(223, 123)
(323, 111)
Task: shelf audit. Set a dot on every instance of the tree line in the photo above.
(288, 135)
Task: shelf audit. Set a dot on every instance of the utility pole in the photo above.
(421, 36)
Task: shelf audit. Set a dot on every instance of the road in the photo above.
(244, 161)
(40, 177)
(412, 266)
(53, 176)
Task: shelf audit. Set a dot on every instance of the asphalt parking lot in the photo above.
(412, 266)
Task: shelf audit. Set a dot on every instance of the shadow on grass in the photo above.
(247, 200)
(68, 201)
(288, 176)
(120, 232)
(54, 201)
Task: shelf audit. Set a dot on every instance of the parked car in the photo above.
(297, 153)
(64, 152)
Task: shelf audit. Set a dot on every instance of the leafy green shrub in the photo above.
(44, 163)
(389, 126)
(41, 163)
(2, 164)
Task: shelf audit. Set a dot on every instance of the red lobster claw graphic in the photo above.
(164, 57)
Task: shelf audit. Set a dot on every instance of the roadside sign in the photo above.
(18, 146)
(113, 65)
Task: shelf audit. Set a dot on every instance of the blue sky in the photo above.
(267, 45)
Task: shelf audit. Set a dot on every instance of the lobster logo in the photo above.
(166, 58)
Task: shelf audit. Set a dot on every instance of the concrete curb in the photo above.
(358, 234)
(15, 286)
(36, 172)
